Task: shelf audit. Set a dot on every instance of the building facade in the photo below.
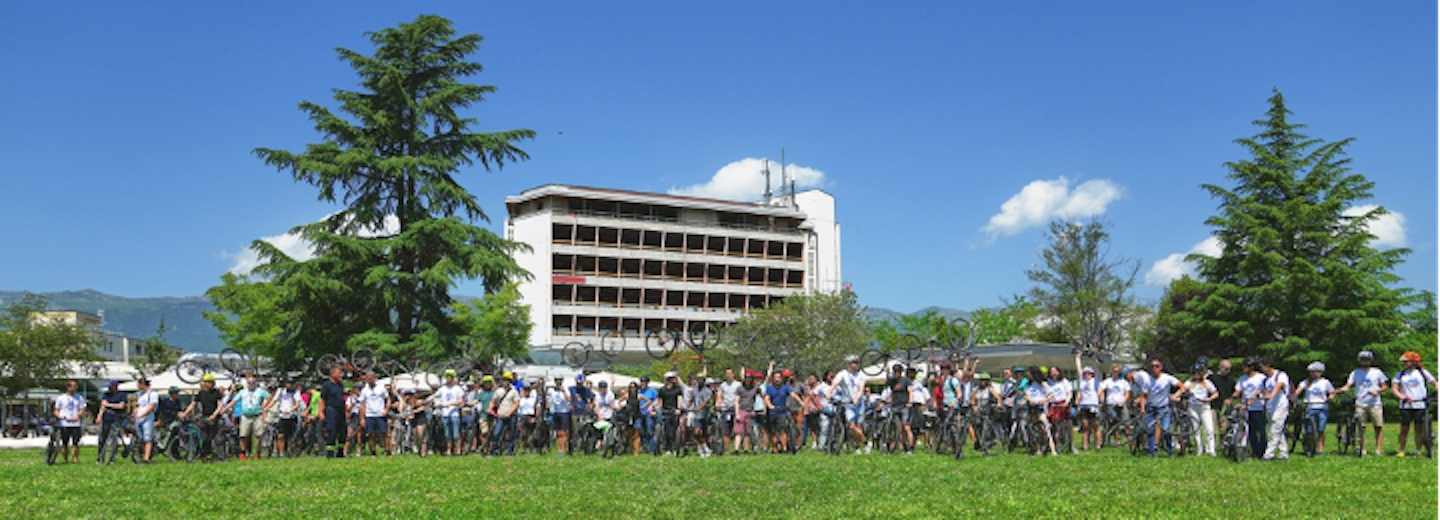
(109, 346)
(623, 262)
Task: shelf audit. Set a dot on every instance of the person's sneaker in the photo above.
(242, 456)
(1400, 455)
(867, 449)
(858, 451)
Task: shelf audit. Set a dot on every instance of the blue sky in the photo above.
(128, 127)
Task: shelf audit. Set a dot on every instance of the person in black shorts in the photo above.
(205, 407)
(899, 387)
(68, 408)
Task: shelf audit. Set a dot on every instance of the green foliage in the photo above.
(35, 352)
(1016, 321)
(157, 355)
(805, 332)
(250, 318)
(1081, 290)
(385, 264)
(1297, 279)
(926, 326)
(501, 324)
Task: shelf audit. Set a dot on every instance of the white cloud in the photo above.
(744, 180)
(1175, 266)
(1044, 200)
(293, 246)
(1389, 229)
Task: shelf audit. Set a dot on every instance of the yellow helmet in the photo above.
(208, 377)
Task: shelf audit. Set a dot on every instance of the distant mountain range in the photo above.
(139, 317)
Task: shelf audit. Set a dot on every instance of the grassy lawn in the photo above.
(1111, 483)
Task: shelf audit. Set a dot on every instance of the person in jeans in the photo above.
(1277, 410)
(1409, 387)
(448, 401)
(1202, 393)
(1368, 383)
(848, 389)
(1155, 387)
(145, 404)
(68, 407)
(112, 403)
(1250, 389)
(648, 397)
(1316, 392)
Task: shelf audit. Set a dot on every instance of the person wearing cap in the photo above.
(168, 411)
(557, 398)
(1315, 393)
(1250, 389)
(848, 389)
(646, 421)
(250, 402)
(448, 400)
(112, 403)
(485, 420)
(1087, 403)
(666, 409)
(1202, 392)
(581, 398)
(1368, 383)
(144, 416)
(505, 404)
(605, 404)
(286, 402)
(1410, 388)
(1277, 410)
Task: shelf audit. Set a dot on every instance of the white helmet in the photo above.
(1315, 367)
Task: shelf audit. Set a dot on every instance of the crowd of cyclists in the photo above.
(953, 408)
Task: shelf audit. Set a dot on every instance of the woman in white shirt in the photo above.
(1277, 409)
(1202, 391)
(1316, 393)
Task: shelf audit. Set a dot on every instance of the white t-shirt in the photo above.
(449, 398)
(822, 389)
(352, 403)
(145, 400)
(289, 401)
(849, 385)
(1089, 391)
(1200, 390)
(558, 400)
(1250, 388)
(1412, 384)
(918, 394)
(1156, 389)
(1315, 393)
(1281, 400)
(1058, 392)
(728, 394)
(1114, 390)
(373, 398)
(1036, 393)
(527, 405)
(70, 407)
(1367, 385)
(604, 404)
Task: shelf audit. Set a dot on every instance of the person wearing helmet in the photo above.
(848, 389)
(1277, 409)
(485, 420)
(1368, 383)
(448, 400)
(1250, 390)
(1316, 393)
(1410, 388)
(506, 404)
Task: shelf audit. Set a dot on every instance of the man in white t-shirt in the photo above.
(448, 400)
(1155, 388)
(145, 403)
(1250, 389)
(1277, 410)
(848, 389)
(68, 407)
(1115, 391)
(1410, 388)
(287, 402)
(374, 404)
(1368, 383)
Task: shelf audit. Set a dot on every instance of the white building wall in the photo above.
(535, 229)
(819, 209)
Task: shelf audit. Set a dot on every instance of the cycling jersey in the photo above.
(1315, 393)
(1412, 384)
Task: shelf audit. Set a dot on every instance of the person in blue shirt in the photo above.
(777, 396)
(647, 421)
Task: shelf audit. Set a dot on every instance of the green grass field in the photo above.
(1110, 483)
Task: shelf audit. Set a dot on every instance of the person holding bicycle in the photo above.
(205, 406)
(647, 418)
(250, 402)
(1277, 409)
(747, 396)
(558, 399)
(1316, 392)
(1155, 398)
(1368, 383)
(898, 392)
(1116, 392)
(777, 397)
(286, 401)
(727, 396)
(68, 407)
(1410, 388)
(848, 389)
(702, 397)
(505, 404)
(1059, 393)
(1251, 389)
(111, 404)
(1087, 401)
(144, 415)
(169, 409)
(1202, 393)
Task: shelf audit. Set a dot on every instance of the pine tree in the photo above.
(1297, 280)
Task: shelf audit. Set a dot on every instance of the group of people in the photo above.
(774, 411)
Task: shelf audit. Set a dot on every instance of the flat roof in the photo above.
(639, 197)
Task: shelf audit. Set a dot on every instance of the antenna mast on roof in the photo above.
(766, 171)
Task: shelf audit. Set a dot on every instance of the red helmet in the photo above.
(785, 373)
(1410, 356)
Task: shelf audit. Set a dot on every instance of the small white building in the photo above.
(606, 260)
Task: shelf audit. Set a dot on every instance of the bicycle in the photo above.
(1028, 434)
(179, 441)
(1425, 429)
(1182, 429)
(875, 362)
(120, 441)
(1311, 436)
(1117, 429)
(989, 422)
(578, 355)
(52, 449)
(613, 441)
(1064, 432)
(192, 370)
(1234, 444)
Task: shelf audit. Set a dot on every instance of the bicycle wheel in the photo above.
(323, 364)
(1238, 439)
(992, 438)
(233, 361)
(190, 371)
(942, 439)
(1311, 436)
(1358, 438)
(1117, 434)
(363, 359)
(575, 354)
(659, 343)
(1064, 436)
(52, 450)
(1425, 434)
(872, 362)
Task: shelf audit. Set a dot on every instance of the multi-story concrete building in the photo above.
(109, 345)
(611, 260)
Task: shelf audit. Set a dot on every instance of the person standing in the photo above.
(1116, 392)
(1251, 390)
(1316, 392)
(647, 419)
(145, 404)
(1277, 410)
(112, 403)
(68, 407)
(250, 402)
(728, 395)
(1087, 401)
(746, 397)
(1409, 387)
(287, 401)
(1224, 385)
(1202, 393)
(374, 403)
(449, 399)
(332, 396)
(558, 399)
(1155, 395)
(506, 403)
(205, 407)
(1368, 383)
(848, 389)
